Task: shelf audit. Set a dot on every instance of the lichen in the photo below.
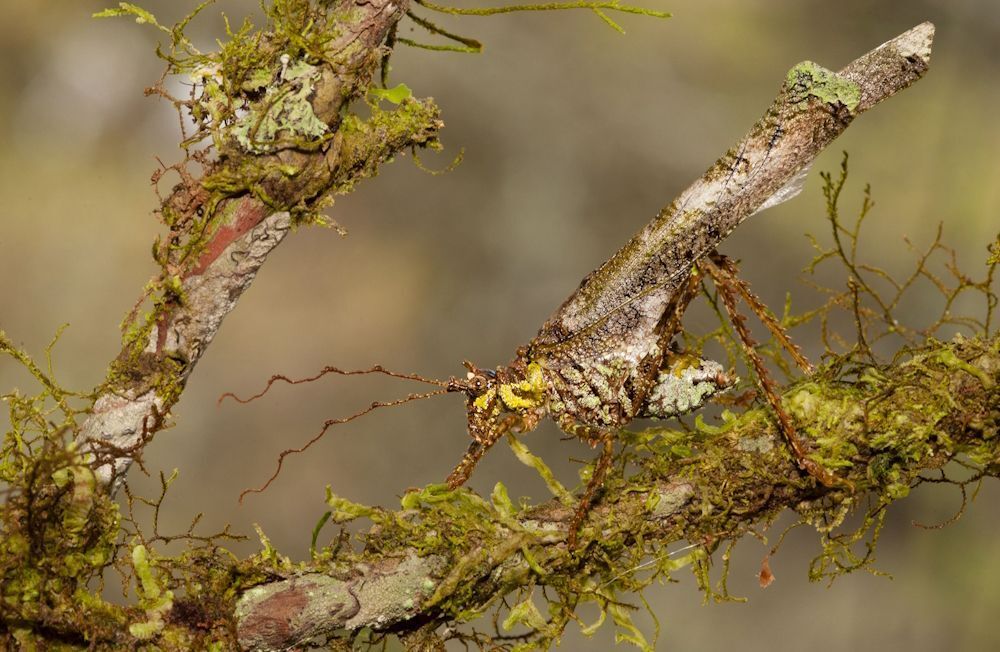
(686, 386)
(285, 111)
(809, 79)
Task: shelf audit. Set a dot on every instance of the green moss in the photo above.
(153, 598)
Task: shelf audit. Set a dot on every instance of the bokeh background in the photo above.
(574, 136)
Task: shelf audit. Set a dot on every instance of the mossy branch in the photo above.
(469, 45)
(275, 141)
(450, 556)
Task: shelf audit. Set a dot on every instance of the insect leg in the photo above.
(478, 447)
(670, 323)
(592, 436)
(596, 480)
(728, 268)
(725, 285)
(646, 378)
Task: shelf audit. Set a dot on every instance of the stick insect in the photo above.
(606, 355)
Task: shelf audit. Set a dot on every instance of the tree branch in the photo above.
(241, 220)
(890, 423)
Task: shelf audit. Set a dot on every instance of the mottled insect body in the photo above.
(586, 398)
(604, 357)
(610, 392)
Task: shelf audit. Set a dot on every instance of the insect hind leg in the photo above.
(722, 272)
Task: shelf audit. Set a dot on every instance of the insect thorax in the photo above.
(518, 388)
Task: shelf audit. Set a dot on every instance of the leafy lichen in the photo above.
(285, 110)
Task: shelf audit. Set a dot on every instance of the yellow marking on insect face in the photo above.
(483, 400)
(527, 393)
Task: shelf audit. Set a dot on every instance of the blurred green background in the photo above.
(574, 136)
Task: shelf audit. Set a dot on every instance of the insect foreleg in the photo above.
(597, 478)
(481, 443)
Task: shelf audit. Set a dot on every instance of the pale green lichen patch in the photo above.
(685, 387)
(284, 114)
(394, 592)
(762, 444)
(809, 79)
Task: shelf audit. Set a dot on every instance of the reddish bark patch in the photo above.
(161, 332)
(274, 619)
(249, 214)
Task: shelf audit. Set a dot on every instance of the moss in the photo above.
(153, 598)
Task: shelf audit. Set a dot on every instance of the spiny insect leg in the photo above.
(592, 436)
(728, 267)
(596, 480)
(672, 316)
(670, 324)
(723, 282)
(478, 447)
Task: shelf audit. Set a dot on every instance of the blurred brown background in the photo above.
(574, 137)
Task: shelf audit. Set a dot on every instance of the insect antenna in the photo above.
(325, 371)
(329, 423)
(450, 385)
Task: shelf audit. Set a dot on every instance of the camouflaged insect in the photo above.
(604, 357)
